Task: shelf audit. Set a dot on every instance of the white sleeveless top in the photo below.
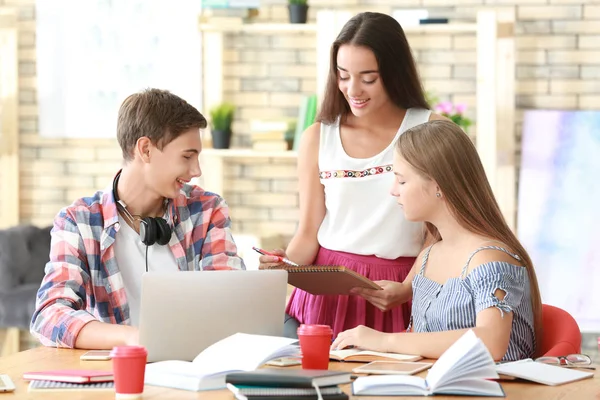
(362, 217)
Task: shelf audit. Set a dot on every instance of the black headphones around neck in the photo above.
(152, 229)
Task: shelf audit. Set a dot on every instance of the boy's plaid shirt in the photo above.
(83, 282)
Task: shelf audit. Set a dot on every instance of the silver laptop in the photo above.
(182, 313)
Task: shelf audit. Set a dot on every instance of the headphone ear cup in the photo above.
(163, 234)
(148, 231)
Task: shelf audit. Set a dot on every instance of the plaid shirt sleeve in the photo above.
(219, 251)
(60, 310)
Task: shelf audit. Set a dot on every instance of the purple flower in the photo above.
(445, 107)
(460, 108)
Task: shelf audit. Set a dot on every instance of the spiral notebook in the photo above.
(52, 386)
(326, 279)
(285, 393)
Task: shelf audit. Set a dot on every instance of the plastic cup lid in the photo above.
(309, 329)
(128, 351)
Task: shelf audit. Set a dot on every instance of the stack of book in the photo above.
(227, 16)
(268, 135)
(225, 12)
(276, 384)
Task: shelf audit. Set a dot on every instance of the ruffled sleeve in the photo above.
(487, 278)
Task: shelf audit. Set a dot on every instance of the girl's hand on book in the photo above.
(391, 296)
(267, 261)
(361, 336)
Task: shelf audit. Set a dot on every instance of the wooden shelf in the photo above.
(441, 28)
(264, 28)
(247, 153)
(214, 161)
(268, 28)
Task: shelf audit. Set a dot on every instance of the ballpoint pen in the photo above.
(279, 258)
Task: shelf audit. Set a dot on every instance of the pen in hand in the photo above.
(279, 258)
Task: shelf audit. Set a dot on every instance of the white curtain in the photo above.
(92, 54)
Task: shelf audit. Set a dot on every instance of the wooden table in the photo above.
(44, 358)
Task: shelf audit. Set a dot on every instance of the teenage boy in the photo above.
(149, 218)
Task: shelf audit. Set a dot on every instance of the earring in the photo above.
(438, 195)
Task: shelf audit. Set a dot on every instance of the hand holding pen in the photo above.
(273, 258)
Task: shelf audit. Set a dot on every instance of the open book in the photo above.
(463, 369)
(326, 279)
(358, 355)
(238, 352)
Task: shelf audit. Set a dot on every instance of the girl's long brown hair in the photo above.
(384, 36)
(441, 151)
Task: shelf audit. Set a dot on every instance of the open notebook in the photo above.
(326, 279)
(465, 368)
(357, 355)
(238, 352)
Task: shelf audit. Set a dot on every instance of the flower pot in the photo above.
(289, 136)
(221, 138)
(298, 13)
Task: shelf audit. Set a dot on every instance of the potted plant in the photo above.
(221, 118)
(290, 134)
(298, 11)
(455, 112)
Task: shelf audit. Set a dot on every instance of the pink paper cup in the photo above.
(129, 368)
(315, 341)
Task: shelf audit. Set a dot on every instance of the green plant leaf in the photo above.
(221, 117)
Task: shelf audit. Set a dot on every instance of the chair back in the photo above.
(560, 332)
(24, 252)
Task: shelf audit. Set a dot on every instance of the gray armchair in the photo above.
(24, 251)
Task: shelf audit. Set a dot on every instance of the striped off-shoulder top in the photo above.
(456, 303)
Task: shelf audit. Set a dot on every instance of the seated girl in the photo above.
(476, 275)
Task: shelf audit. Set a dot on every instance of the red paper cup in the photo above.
(129, 367)
(315, 341)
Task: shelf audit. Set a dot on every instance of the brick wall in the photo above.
(262, 194)
(558, 68)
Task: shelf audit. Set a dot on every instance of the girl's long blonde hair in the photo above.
(441, 151)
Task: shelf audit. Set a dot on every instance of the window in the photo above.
(92, 54)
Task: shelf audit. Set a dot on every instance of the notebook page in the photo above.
(344, 353)
(477, 364)
(392, 385)
(243, 352)
(451, 357)
(474, 387)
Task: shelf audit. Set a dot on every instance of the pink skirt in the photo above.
(346, 312)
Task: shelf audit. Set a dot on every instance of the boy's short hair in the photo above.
(157, 114)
